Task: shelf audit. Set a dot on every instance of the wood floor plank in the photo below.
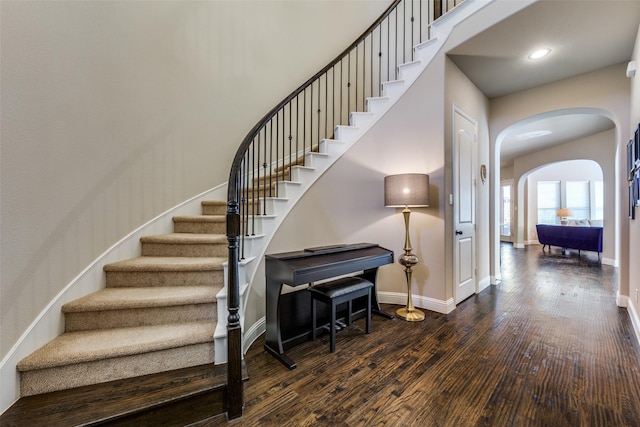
(546, 347)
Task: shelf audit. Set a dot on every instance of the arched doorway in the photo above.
(551, 137)
(576, 185)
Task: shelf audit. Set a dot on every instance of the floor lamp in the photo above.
(407, 190)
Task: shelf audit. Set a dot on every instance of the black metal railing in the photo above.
(298, 124)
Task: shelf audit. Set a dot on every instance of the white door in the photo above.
(464, 149)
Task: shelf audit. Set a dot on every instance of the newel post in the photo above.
(234, 336)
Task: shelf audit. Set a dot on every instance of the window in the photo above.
(584, 198)
(505, 211)
(578, 199)
(548, 201)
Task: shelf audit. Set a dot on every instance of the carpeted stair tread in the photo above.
(86, 346)
(185, 238)
(152, 263)
(127, 298)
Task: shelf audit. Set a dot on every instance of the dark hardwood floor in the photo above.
(546, 347)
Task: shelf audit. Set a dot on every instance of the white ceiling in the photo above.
(583, 35)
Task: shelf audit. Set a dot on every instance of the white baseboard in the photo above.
(253, 333)
(635, 320)
(623, 301)
(397, 298)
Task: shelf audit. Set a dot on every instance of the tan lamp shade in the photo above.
(564, 212)
(406, 190)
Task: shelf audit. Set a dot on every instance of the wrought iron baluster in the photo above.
(348, 84)
(298, 129)
(277, 159)
(318, 112)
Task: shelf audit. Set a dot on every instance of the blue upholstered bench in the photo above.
(337, 292)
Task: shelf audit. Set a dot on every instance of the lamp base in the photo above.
(410, 315)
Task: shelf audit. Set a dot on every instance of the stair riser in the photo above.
(122, 318)
(199, 227)
(193, 409)
(81, 374)
(164, 278)
(214, 209)
(185, 250)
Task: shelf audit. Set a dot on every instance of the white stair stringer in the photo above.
(330, 150)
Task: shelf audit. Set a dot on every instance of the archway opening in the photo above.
(574, 188)
(549, 138)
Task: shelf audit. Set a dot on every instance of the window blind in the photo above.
(548, 201)
(598, 210)
(578, 199)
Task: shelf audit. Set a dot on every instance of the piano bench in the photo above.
(337, 292)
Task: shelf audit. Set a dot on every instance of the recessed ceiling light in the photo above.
(539, 53)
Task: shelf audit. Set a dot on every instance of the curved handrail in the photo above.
(288, 132)
(267, 117)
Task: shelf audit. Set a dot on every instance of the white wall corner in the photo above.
(631, 69)
(10, 380)
(484, 283)
(621, 300)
